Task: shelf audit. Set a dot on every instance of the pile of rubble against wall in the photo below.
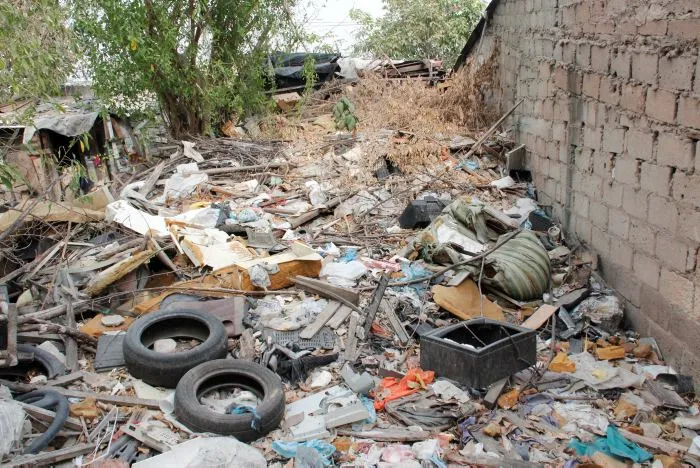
(245, 303)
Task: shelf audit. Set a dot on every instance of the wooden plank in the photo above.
(540, 317)
(152, 179)
(117, 271)
(71, 344)
(113, 399)
(47, 458)
(665, 446)
(66, 379)
(395, 323)
(374, 305)
(313, 328)
(322, 288)
(48, 416)
(351, 346)
(339, 317)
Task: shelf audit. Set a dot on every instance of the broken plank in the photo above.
(322, 288)
(70, 342)
(66, 379)
(114, 399)
(540, 317)
(351, 345)
(388, 435)
(374, 305)
(339, 317)
(152, 179)
(39, 261)
(665, 446)
(325, 315)
(48, 458)
(395, 323)
(494, 392)
(48, 416)
(117, 271)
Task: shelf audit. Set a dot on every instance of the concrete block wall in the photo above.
(611, 120)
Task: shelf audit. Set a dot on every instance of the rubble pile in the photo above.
(342, 299)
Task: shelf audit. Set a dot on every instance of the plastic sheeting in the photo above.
(69, 125)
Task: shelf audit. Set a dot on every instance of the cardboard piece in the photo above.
(50, 212)
(463, 301)
(300, 260)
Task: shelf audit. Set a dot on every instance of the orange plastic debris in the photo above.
(562, 363)
(392, 388)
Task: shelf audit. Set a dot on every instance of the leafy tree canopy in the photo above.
(416, 29)
(203, 60)
(37, 51)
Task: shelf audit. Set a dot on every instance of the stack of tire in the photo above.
(201, 369)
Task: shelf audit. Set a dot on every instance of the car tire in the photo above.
(50, 364)
(166, 369)
(222, 373)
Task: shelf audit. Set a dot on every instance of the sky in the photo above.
(333, 17)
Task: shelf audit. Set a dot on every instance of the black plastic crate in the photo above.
(498, 350)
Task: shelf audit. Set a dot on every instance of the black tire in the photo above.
(45, 361)
(225, 373)
(166, 369)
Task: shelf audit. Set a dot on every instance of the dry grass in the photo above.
(427, 117)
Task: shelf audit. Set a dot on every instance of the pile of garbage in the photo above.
(247, 303)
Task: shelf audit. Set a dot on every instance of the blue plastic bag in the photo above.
(289, 449)
(612, 444)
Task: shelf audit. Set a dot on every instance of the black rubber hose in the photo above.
(47, 399)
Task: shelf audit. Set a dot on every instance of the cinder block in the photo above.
(591, 85)
(598, 214)
(647, 269)
(626, 171)
(676, 72)
(603, 164)
(633, 97)
(653, 28)
(661, 105)
(628, 285)
(592, 138)
(621, 63)
(583, 228)
(600, 58)
(645, 67)
(677, 289)
(675, 151)
(655, 306)
(689, 223)
(640, 144)
(609, 91)
(612, 194)
(663, 213)
(593, 187)
(676, 255)
(584, 160)
(689, 111)
(581, 204)
(656, 179)
(642, 237)
(614, 139)
(618, 223)
(583, 54)
(688, 29)
(600, 240)
(686, 188)
(621, 253)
